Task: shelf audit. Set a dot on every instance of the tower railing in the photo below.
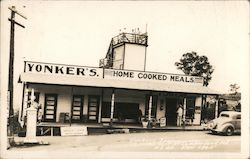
(141, 39)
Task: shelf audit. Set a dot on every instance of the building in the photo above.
(230, 101)
(119, 91)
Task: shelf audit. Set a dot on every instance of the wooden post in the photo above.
(216, 106)
(150, 107)
(100, 109)
(201, 109)
(184, 109)
(25, 105)
(11, 72)
(112, 107)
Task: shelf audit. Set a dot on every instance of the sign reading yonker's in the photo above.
(93, 72)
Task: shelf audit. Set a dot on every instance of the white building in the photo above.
(115, 91)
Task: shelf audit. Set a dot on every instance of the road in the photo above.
(172, 141)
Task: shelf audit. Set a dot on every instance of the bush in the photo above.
(16, 125)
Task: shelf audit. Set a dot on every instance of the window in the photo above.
(224, 115)
(238, 117)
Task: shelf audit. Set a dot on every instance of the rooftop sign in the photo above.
(93, 72)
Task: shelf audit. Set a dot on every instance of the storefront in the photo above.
(120, 90)
(97, 95)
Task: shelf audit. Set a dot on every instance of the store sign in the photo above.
(151, 76)
(93, 72)
(57, 69)
(74, 131)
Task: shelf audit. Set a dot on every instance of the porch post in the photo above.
(150, 107)
(216, 106)
(201, 108)
(112, 107)
(184, 108)
(100, 108)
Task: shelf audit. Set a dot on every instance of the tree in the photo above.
(193, 64)
(234, 88)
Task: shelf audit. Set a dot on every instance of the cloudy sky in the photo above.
(80, 32)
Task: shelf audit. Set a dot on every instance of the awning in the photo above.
(112, 83)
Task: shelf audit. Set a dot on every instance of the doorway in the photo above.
(77, 108)
(50, 107)
(93, 107)
(171, 104)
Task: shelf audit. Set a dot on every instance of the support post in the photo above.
(25, 105)
(201, 109)
(112, 107)
(184, 110)
(216, 106)
(100, 109)
(11, 73)
(150, 107)
(10, 81)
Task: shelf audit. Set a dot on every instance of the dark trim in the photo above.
(103, 70)
(24, 66)
(123, 43)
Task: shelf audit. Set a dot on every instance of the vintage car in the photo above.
(228, 123)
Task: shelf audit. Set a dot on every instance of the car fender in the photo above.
(225, 126)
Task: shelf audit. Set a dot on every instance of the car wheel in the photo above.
(229, 131)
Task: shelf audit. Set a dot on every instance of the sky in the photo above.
(79, 32)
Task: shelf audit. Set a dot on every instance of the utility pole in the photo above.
(11, 70)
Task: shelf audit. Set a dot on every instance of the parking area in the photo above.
(172, 141)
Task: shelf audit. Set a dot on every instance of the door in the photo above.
(93, 106)
(171, 104)
(50, 107)
(77, 108)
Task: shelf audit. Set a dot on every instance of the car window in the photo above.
(224, 115)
